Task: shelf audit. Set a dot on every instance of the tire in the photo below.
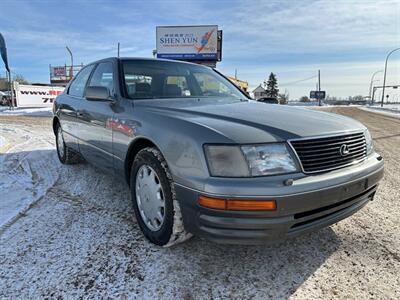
(156, 198)
(65, 154)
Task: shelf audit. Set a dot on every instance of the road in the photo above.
(75, 236)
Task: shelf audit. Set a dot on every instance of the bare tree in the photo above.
(20, 79)
(284, 97)
(4, 85)
(304, 99)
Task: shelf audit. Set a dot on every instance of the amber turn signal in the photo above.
(237, 204)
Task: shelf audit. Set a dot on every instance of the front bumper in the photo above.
(312, 202)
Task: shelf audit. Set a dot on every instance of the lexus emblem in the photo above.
(344, 150)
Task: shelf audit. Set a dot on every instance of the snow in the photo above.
(3, 142)
(298, 103)
(44, 111)
(69, 233)
(392, 110)
(28, 169)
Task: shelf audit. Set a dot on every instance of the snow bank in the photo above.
(298, 103)
(42, 112)
(29, 167)
(392, 110)
(388, 107)
(3, 142)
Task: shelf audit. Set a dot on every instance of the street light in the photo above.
(374, 88)
(384, 76)
(71, 72)
(372, 80)
(372, 98)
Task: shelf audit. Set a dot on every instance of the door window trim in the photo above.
(94, 69)
(84, 89)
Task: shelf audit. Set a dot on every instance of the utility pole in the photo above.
(319, 88)
(384, 76)
(118, 49)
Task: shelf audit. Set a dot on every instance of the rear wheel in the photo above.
(156, 208)
(65, 154)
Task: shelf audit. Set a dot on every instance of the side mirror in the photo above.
(97, 93)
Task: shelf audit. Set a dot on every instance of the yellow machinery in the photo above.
(244, 85)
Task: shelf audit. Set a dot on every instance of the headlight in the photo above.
(249, 160)
(226, 161)
(368, 140)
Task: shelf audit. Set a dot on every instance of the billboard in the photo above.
(63, 74)
(187, 42)
(36, 96)
(317, 94)
(58, 71)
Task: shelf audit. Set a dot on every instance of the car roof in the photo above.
(141, 58)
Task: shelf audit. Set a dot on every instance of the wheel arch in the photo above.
(134, 148)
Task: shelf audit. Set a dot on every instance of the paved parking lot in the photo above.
(78, 238)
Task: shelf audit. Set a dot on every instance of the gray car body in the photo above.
(109, 133)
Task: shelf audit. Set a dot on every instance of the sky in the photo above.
(347, 40)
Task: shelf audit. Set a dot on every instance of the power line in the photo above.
(298, 81)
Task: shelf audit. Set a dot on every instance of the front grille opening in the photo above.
(328, 207)
(323, 154)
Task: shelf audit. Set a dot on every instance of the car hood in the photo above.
(251, 121)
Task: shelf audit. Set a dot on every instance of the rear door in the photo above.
(94, 117)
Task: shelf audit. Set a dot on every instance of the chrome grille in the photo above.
(323, 154)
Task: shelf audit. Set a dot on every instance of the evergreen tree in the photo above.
(271, 86)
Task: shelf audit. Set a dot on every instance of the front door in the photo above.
(69, 103)
(95, 134)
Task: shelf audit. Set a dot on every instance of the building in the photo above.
(259, 92)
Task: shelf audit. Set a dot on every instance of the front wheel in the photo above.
(156, 207)
(65, 154)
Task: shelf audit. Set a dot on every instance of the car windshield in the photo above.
(152, 79)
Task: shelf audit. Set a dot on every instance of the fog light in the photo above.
(237, 204)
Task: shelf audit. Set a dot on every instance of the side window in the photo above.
(176, 86)
(77, 86)
(210, 86)
(103, 76)
(138, 85)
